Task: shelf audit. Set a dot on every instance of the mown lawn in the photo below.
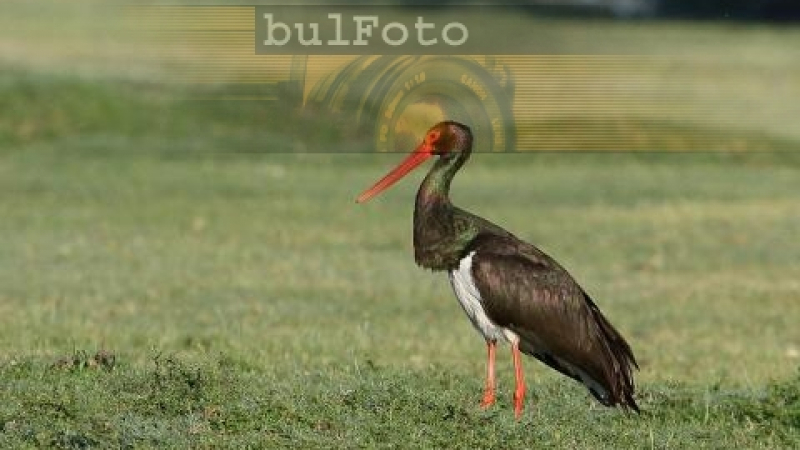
(172, 275)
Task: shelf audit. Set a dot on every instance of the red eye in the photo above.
(432, 137)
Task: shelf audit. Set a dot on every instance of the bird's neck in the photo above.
(435, 188)
(438, 240)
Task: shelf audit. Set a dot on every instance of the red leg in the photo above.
(519, 391)
(488, 393)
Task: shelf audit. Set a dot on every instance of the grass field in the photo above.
(165, 284)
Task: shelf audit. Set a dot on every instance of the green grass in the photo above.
(249, 302)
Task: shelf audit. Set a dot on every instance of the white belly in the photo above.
(470, 299)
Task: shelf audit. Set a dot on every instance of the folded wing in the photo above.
(526, 291)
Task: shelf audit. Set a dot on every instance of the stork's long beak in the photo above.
(417, 157)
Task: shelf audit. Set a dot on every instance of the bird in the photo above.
(511, 291)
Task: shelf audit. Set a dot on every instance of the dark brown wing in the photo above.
(526, 291)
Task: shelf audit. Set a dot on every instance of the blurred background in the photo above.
(173, 200)
(774, 10)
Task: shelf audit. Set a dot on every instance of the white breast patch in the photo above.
(470, 299)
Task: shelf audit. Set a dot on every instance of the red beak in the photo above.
(417, 157)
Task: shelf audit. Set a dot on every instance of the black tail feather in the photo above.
(619, 370)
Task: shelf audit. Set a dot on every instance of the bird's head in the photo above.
(447, 139)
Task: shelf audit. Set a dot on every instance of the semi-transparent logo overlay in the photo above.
(365, 30)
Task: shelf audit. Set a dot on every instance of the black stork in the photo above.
(511, 290)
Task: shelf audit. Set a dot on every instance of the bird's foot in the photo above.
(488, 399)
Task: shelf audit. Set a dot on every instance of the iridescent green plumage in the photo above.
(442, 231)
